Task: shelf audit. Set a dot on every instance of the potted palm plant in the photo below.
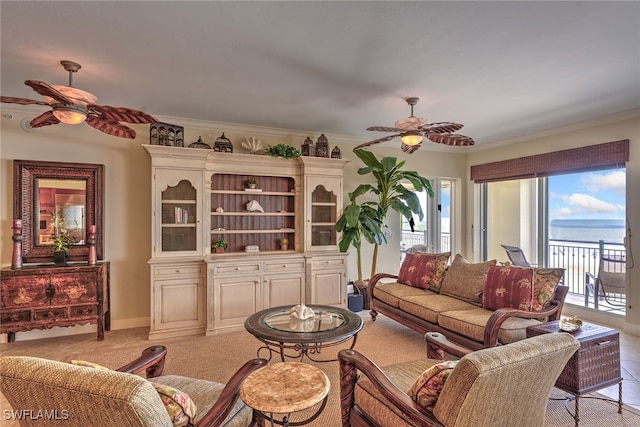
(388, 192)
(220, 245)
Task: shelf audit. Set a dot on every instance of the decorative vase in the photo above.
(60, 257)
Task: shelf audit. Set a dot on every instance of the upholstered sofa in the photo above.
(476, 305)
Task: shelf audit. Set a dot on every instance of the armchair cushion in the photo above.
(508, 287)
(465, 280)
(424, 270)
(427, 388)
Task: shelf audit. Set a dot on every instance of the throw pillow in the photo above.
(424, 270)
(465, 280)
(181, 409)
(545, 282)
(426, 389)
(178, 404)
(508, 287)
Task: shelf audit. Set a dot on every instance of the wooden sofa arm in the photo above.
(502, 314)
(351, 362)
(151, 360)
(438, 344)
(223, 406)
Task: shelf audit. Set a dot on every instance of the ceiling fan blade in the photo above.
(443, 127)
(451, 139)
(21, 101)
(45, 90)
(410, 148)
(384, 129)
(44, 119)
(111, 127)
(122, 114)
(377, 141)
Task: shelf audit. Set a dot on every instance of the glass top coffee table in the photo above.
(296, 339)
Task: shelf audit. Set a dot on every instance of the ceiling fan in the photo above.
(413, 129)
(74, 106)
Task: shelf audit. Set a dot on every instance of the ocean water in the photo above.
(587, 230)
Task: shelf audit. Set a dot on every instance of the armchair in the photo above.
(95, 397)
(500, 386)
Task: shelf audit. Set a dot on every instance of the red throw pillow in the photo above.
(423, 270)
(508, 287)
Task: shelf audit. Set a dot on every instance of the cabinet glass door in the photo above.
(179, 213)
(323, 217)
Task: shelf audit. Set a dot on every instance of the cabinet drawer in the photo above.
(50, 314)
(166, 271)
(84, 311)
(236, 268)
(284, 266)
(43, 291)
(327, 262)
(15, 317)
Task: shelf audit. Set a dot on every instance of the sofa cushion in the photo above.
(427, 387)
(424, 270)
(545, 283)
(429, 307)
(508, 286)
(375, 405)
(466, 280)
(472, 323)
(392, 292)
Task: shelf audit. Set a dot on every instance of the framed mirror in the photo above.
(71, 192)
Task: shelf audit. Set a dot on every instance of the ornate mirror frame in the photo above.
(26, 175)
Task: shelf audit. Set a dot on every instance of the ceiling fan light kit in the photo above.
(412, 130)
(71, 105)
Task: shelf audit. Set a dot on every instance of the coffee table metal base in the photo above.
(300, 350)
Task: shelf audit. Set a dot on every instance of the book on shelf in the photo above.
(180, 215)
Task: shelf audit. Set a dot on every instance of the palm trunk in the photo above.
(359, 263)
(374, 263)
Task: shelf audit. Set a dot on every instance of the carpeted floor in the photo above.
(384, 341)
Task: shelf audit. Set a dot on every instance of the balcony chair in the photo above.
(516, 256)
(100, 397)
(501, 386)
(610, 283)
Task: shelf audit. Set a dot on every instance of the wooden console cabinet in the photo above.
(199, 197)
(44, 296)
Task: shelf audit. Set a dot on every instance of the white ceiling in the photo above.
(503, 69)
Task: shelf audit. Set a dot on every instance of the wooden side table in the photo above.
(283, 388)
(594, 366)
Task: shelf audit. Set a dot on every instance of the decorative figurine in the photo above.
(254, 206)
(301, 312)
(253, 145)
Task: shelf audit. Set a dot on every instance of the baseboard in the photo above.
(37, 334)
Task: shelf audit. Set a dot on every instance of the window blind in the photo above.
(608, 155)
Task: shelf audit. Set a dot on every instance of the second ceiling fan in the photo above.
(413, 129)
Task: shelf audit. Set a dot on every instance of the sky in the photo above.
(589, 195)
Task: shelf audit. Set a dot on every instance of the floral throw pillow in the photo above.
(178, 404)
(508, 287)
(427, 387)
(424, 270)
(545, 282)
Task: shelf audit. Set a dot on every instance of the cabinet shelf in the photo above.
(255, 193)
(179, 225)
(264, 231)
(323, 204)
(313, 224)
(180, 202)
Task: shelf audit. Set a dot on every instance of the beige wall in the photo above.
(128, 201)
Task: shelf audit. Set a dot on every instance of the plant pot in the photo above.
(60, 258)
(284, 247)
(252, 186)
(219, 250)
